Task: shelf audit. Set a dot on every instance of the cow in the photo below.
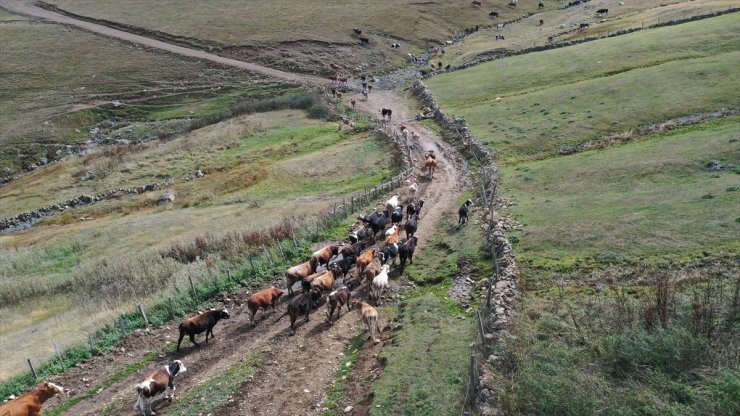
(447, 67)
(345, 264)
(583, 26)
(262, 300)
(353, 249)
(300, 272)
(198, 324)
(397, 215)
(325, 282)
(365, 259)
(463, 212)
(30, 403)
(373, 268)
(493, 14)
(413, 189)
(353, 103)
(476, 3)
(324, 255)
(406, 251)
(392, 230)
(411, 225)
(542, 22)
(336, 300)
(415, 135)
(369, 90)
(410, 210)
(391, 205)
(380, 282)
(299, 305)
(390, 252)
(334, 66)
(364, 41)
(602, 11)
(369, 316)
(419, 206)
(359, 235)
(384, 111)
(541, 4)
(431, 165)
(376, 220)
(357, 31)
(156, 383)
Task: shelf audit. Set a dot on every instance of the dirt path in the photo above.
(27, 8)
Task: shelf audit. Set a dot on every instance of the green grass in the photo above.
(547, 108)
(642, 202)
(426, 370)
(208, 396)
(335, 394)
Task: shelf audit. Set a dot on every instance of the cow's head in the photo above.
(51, 388)
(277, 292)
(224, 314)
(176, 367)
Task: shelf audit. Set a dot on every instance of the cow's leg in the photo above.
(192, 339)
(182, 335)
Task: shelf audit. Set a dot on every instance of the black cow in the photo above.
(300, 305)
(493, 14)
(406, 251)
(410, 210)
(583, 26)
(397, 215)
(389, 252)
(344, 264)
(357, 31)
(602, 11)
(359, 235)
(365, 41)
(376, 220)
(352, 249)
(386, 112)
(410, 226)
(463, 212)
(336, 300)
(419, 206)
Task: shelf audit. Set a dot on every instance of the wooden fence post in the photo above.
(269, 257)
(317, 231)
(192, 287)
(228, 274)
(352, 205)
(122, 327)
(251, 264)
(143, 314)
(90, 341)
(33, 370)
(482, 335)
(59, 354)
(280, 248)
(172, 308)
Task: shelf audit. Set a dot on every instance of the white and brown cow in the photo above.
(156, 383)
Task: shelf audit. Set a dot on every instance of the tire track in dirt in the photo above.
(27, 8)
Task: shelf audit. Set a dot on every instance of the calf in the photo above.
(369, 316)
(262, 300)
(411, 225)
(203, 322)
(384, 111)
(397, 215)
(299, 305)
(156, 383)
(337, 299)
(406, 251)
(325, 254)
(391, 204)
(376, 220)
(463, 212)
(364, 259)
(380, 282)
(395, 237)
(30, 403)
(300, 272)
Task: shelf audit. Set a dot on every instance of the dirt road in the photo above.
(296, 370)
(27, 8)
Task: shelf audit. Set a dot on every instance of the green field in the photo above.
(643, 202)
(259, 169)
(595, 89)
(48, 100)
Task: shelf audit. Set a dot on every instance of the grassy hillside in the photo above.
(563, 24)
(260, 169)
(597, 92)
(644, 202)
(55, 78)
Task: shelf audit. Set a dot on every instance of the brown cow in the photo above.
(365, 258)
(324, 255)
(334, 66)
(476, 3)
(372, 269)
(337, 299)
(263, 299)
(203, 322)
(325, 282)
(369, 316)
(300, 272)
(353, 103)
(30, 403)
(431, 165)
(156, 383)
(394, 237)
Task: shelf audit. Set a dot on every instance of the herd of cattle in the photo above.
(336, 274)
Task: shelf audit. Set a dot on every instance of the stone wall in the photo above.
(504, 283)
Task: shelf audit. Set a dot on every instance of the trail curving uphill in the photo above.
(27, 8)
(296, 370)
